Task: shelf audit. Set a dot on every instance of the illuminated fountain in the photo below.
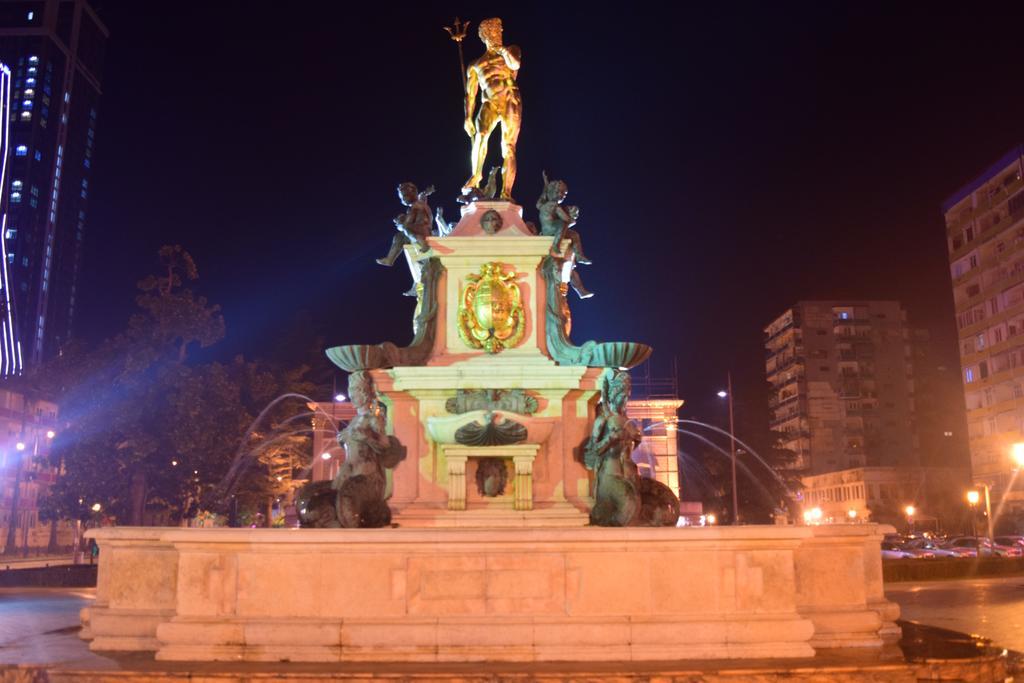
(487, 508)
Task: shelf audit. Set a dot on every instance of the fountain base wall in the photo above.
(434, 595)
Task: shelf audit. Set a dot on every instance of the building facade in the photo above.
(886, 494)
(27, 427)
(842, 390)
(55, 51)
(985, 239)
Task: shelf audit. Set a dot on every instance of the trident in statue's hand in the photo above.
(458, 34)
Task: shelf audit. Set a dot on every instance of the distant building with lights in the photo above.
(883, 494)
(985, 241)
(55, 52)
(842, 390)
(25, 473)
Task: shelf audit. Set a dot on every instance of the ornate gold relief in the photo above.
(491, 315)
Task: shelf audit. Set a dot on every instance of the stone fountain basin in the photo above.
(441, 428)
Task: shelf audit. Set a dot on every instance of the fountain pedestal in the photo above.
(444, 594)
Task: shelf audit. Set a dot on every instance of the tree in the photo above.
(116, 399)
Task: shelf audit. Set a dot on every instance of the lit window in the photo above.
(11, 233)
(15, 198)
(38, 155)
(844, 315)
(16, 185)
(969, 374)
(26, 104)
(32, 71)
(24, 261)
(87, 163)
(26, 116)
(20, 151)
(31, 15)
(29, 92)
(33, 59)
(10, 258)
(29, 82)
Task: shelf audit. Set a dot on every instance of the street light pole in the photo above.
(732, 443)
(988, 514)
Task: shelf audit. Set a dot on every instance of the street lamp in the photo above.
(96, 507)
(973, 497)
(1017, 455)
(727, 394)
(20, 445)
(852, 514)
(910, 510)
(711, 519)
(339, 397)
(50, 434)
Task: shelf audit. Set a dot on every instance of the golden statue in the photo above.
(494, 75)
(491, 315)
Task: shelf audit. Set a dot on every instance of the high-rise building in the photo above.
(54, 49)
(10, 344)
(985, 237)
(842, 388)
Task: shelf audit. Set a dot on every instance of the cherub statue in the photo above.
(608, 452)
(361, 482)
(413, 226)
(556, 221)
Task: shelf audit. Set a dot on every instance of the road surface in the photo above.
(992, 607)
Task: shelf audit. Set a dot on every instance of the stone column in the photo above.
(456, 481)
(524, 481)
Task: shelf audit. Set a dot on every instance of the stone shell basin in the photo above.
(442, 428)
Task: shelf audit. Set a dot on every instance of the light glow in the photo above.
(340, 397)
(1017, 455)
(910, 510)
(96, 507)
(973, 497)
(325, 456)
(851, 513)
(723, 394)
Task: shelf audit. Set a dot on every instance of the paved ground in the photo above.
(39, 624)
(993, 608)
(44, 561)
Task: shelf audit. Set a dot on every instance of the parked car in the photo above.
(891, 551)
(984, 546)
(923, 547)
(1010, 540)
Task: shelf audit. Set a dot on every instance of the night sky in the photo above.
(728, 160)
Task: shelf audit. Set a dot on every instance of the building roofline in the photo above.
(985, 176)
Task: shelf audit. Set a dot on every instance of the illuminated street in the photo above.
(993, 608)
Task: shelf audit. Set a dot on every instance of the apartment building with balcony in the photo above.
(842, 390)
(985, 239)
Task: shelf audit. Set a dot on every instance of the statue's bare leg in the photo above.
(486, 120)
(509, 135)
(576, 282)
(397, 242)
(577, 247)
